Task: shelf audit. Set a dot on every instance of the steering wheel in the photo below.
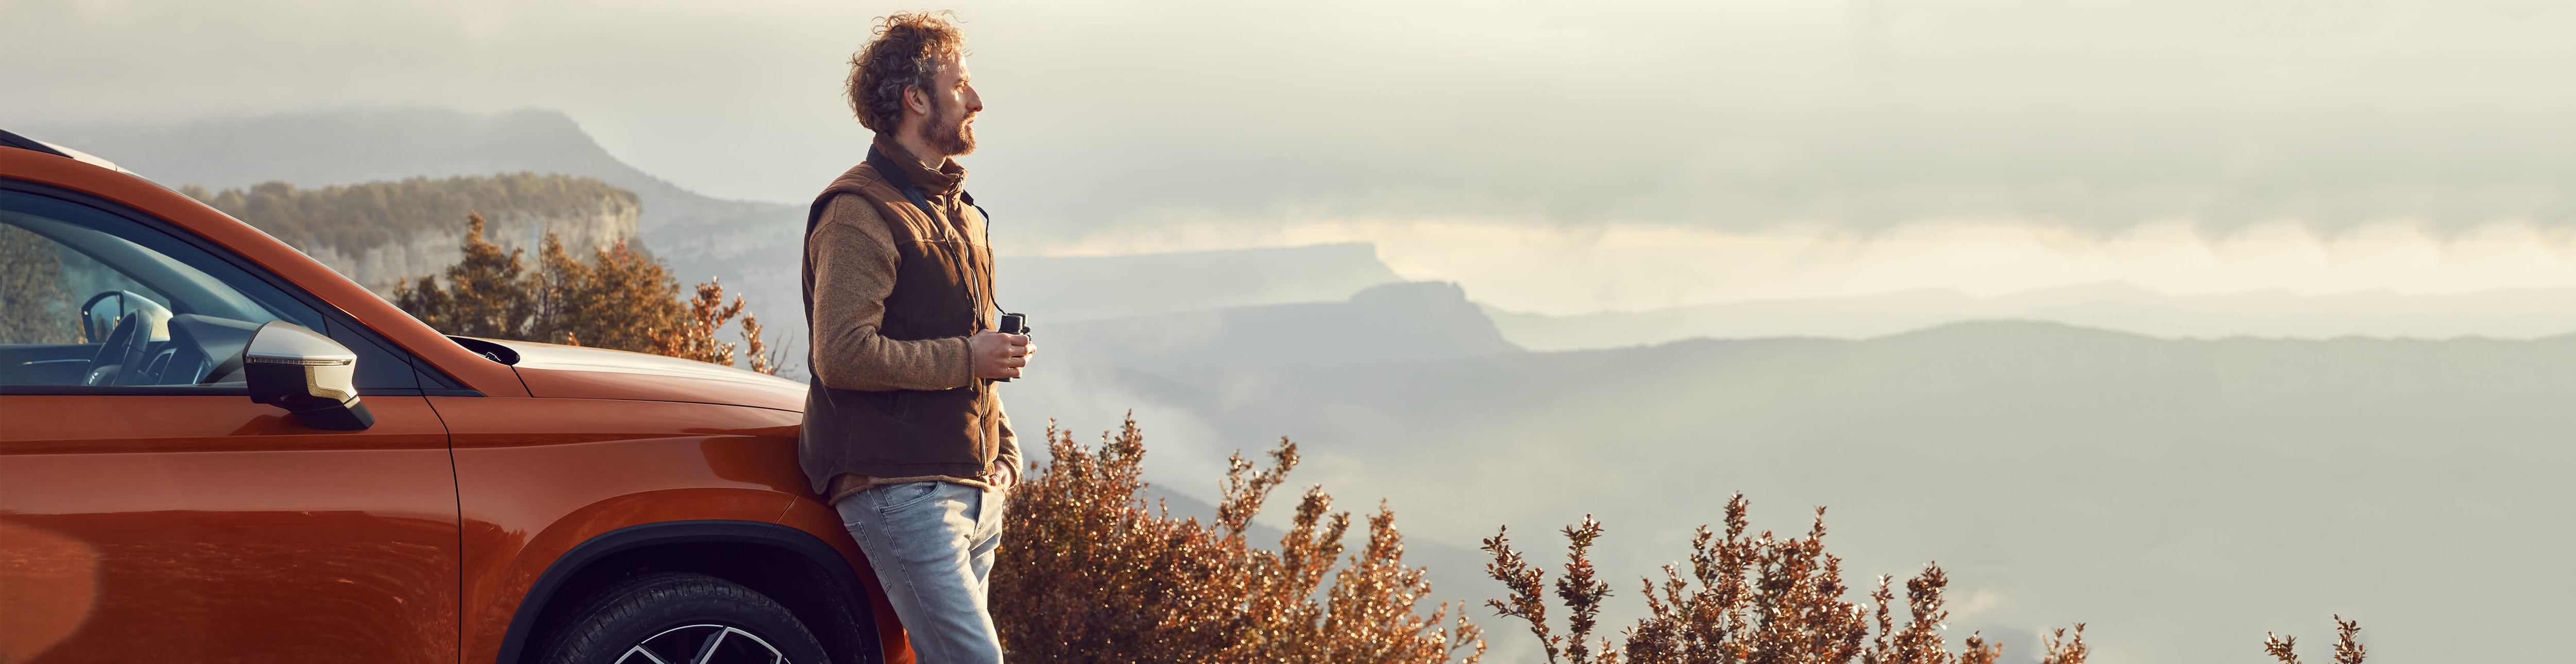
(125, 347)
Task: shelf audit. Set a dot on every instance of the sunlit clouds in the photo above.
(1632, 266)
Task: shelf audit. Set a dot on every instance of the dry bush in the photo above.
(1745, 600)
(620, 299)
(2061, 650)
(763, 356)
(695, 335)
(1089, 574)
(2348, 648)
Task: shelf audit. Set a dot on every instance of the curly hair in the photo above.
(905, 53)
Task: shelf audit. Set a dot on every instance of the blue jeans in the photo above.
(932, 546)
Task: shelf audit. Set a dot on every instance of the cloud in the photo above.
(1739, 115)
(1639, 266)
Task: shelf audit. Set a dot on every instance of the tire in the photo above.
(679, 617)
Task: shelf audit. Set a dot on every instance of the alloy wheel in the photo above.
(703, 644)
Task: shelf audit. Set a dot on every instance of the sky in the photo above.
(1556, 157)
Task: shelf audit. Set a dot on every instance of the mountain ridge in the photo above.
(2529, 313)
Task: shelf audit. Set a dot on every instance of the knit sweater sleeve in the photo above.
(854, 261)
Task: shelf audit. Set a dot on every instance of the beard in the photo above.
(952, 138)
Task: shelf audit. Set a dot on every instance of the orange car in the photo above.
(215, 449)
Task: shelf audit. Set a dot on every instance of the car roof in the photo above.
(24, 143)
(11, 139)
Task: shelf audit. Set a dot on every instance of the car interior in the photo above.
(88, 308)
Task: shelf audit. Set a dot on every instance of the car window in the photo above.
(93, 299)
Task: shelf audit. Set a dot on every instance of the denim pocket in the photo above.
(904, 496)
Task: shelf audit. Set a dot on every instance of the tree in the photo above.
(486, 295)
(620, 299)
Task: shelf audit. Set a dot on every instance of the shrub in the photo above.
(1088, 574)
(2347, 650)
(1745, 600)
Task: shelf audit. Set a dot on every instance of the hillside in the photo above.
(378, 233)
(2512, 314)
(2182, 496)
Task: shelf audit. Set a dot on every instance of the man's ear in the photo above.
(915, 100)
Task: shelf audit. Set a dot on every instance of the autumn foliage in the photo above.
(1744, 600)
(1090, 574)
(2347, 648)
(619, 299)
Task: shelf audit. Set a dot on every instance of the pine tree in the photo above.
(620, 299)
(487, 295)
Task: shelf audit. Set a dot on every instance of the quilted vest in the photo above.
(943, 288)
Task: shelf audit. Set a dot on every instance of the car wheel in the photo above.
(677, 618)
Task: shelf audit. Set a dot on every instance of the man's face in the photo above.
(950, 128)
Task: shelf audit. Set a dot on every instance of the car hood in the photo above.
(575, 372)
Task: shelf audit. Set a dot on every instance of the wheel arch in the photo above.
(772, 559)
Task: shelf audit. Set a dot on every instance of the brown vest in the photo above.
(943, 289)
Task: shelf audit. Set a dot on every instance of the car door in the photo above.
(150, 511)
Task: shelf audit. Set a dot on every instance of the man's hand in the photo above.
(999, 355)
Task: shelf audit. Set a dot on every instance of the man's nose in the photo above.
(974, 102)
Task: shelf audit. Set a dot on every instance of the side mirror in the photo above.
(99, 314)
(307, 374)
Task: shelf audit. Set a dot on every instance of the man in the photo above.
(903, 430)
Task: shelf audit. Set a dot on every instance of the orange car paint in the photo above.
(214, 522)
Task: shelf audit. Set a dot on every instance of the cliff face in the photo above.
(429, 251)
(381, 233)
